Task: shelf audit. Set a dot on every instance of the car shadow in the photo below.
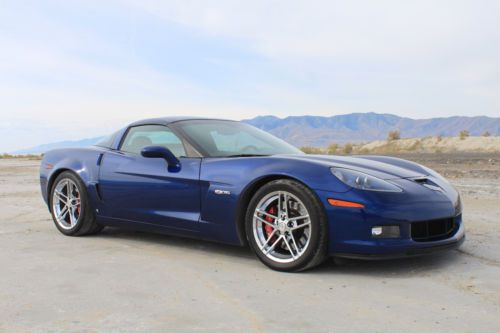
(404, 267)
(191, 244)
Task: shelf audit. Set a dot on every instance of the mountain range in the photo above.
(60, 144)
(319, 131)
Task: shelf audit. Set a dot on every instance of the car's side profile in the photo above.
(229, 182)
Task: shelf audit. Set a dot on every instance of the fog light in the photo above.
(376, 231)
(386, 231)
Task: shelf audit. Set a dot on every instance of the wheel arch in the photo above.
(52, 179)
(247, 194)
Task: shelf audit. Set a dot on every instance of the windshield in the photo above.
(221, 138)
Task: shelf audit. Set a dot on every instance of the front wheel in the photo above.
(70, 207)
(286, 226)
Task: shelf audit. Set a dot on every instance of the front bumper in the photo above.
(350, 228)
(412, 249)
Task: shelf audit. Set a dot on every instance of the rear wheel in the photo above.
(70, 206)
(286, 226)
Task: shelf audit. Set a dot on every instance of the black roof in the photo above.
(168, 120)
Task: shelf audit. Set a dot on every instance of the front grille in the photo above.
(425, 231)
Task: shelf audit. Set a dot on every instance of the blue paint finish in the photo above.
(139, 189)
(81, 161)
(204, 198)
(350, 228)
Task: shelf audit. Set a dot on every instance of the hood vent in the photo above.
(424, 181)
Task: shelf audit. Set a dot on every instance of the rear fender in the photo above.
(83, 162)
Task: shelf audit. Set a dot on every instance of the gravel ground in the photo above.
(121, 281)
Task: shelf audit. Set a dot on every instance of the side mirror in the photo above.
(174, 165)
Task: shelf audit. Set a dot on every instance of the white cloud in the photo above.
(416, 58)
(64, 79)
(390, 30)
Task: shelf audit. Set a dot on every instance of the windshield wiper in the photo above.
(246, 155)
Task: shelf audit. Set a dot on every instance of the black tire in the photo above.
(316, 251)
(86, 223)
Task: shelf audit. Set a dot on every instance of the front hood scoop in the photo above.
(424, 181)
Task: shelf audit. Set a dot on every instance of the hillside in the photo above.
(431, 145)
(55, 145)
(319, 131)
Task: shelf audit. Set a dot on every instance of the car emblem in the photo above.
(221, 192)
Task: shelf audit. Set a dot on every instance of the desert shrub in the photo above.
(28, 156)
(364, 151)
(347, 148)
(486, 134)
(311, 150)
(463, 134)
(415, 145)
(439, 138)
(394, 135)
(332, 149)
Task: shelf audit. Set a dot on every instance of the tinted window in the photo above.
(152, 135)
(218, 138)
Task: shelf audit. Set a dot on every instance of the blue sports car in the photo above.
(229, 182)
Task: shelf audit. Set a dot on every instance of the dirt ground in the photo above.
(122, 281)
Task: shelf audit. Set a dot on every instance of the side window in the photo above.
(139, 137)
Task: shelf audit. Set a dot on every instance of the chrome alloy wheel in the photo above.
(282, 226)
(66, 203)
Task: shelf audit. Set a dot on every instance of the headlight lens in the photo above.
(363, 181)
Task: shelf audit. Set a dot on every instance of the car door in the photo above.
(139, 189)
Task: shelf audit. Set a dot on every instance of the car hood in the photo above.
(383, 167)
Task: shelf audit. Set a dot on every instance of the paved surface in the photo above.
(125, 281)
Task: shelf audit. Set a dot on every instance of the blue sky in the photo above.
(76, 69)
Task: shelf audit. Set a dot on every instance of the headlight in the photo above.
(364, 181)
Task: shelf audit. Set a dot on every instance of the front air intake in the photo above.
(433, 230)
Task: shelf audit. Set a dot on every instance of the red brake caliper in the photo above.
(78, 206)
(269, 230)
